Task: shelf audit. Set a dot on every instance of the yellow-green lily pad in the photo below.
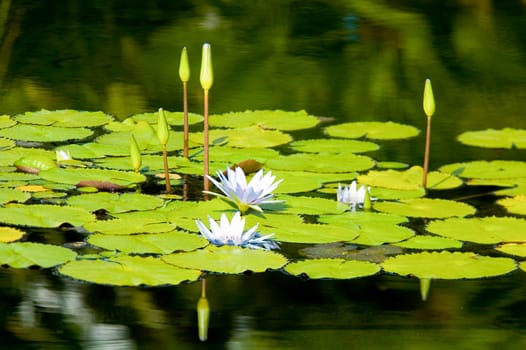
(13, 195)
(332, 268)
(115, 202)
(410, 179)
(425, 207)
(26, 254)
(333, 146)
(448, 265)
(128, 271)
(130, 225)
(266, 119)
(248, 137)
(172, 118)
(44, 133)
(517, 249)
(321, 163)
(44, 215)
(64, 118)
(428, 242)
(10, 234)
(372, 130)
(491, 138)
(486, 230)
(228, 259)
(481, 169)
(515, 205)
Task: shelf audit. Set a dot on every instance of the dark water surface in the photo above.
(349, 60)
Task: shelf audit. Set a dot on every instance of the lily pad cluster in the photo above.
(134, 234)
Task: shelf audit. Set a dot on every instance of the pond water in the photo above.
(347, 60)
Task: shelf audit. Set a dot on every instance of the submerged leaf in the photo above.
(410, 179)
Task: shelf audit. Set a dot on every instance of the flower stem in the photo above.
(426, 154)
(166, 172)
(205, 142)
(185, 110)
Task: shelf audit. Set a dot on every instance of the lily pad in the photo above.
(332, 268)
(448, 265)
(152, 243)
(496, 169)
(428, 242)
(44, 133)
(128, 271)
(10, 156)
(130, 225)
(321, 163)
(228, 259)
(44, 215)
(79, 176)
(116, 203)
(10, 234)
(6, 121)
(64, 118)
(173, 118)
(26, 254)
(312, 205)
(333, 146)
(426, 208)
(6, 144)
(13, 195)
(517, 249)
(266, 119)
(515, 205)
(372, 130)
(339, 250)
(487, 230)
(410, 179)
(491, 138)
(314, 233)
(248, 137)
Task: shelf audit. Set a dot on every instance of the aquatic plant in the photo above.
(351, 196)
(206, 79)
(135, 155)
(429, 110)
(163, 135)
(184, 75)
(233, 233)
(245, 195)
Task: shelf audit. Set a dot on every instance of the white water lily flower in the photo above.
(350, 195)
(232, 233)
(62, 155)
(245, 196)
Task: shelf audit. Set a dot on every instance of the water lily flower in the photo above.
(246, 196)
(233, 233)
(62, 155)
(350, 195)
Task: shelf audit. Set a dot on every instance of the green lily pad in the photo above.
(339, 250)
(172, 118)
(236, 155)
(429, 243)
(447, 265)
(44, 215)
(487, 230)
(151, 243)
(128, 271)
(491, 138)
(333, 146)
(410, 179)
(266, 119)
(426, 208)
(12, 195)
(130, 225)
(26, 254)
(374, 228)
(44, 133)
(515, 205)
(80, 176)
(10, 234)
(496, 169)
(314, 233)
(228, 259)
(6, 121)
(372, 130)
(10, 156)
(517, 249)
(116, 203)
(332, 268)
(145, 136)
(321, 163)
(6, 144)
(248, 137)
(64, 118)
(312, 205)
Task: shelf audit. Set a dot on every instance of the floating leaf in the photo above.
(152, 243)
(515, 205)
(487, 230)
(447, 265)
(372, 130)
(10, 156)
(491, 138)
(517, 249)
(410, 179)
(116, 203)
(266, 119)
(425, 207)
(10, 234)
(333, 146)
(314, 233)
(130, 225)
(173, 118)
(236, 155)
(312, 205)
(12, 195)
(76, 176)
(6, 121)
(228, 259)
(64, 118)
(321, 163)
(26, 254)
(332, 268)
(44, 215)
(128, 271)
(340, 250)
(429, 243)
(249, 137)
(496, 169)
(6, 144)
(43, 133)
